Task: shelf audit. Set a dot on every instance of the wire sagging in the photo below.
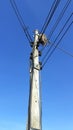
(57, 36)
(50, 15)
(59, 18)
(57, 44)
(20, 19)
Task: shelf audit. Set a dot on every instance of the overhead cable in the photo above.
(66, 52)
(57, 22)
(20, 19)
(63, 27)
(50, 16)
(49, 49)
(59, 18)
(63, 50)
(57, 44)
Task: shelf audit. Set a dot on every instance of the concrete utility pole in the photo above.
(34, 109)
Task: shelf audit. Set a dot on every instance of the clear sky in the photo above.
(56, 76)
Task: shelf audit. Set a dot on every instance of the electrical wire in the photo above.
(19, 17)
(50, 16)
(57, 35)
(57, 45)
(57, 22)
(63, 50)
(22, 21)
(63, 27)
(59, 18)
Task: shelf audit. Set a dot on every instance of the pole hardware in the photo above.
(43, 39)
(40, 53)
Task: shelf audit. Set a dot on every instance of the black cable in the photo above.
(57, 44)
(14, 6)
(59, 18)
(48, 15)
(66, 52)
(63, 27)
(57, 22)
(51, 15)
(19, 20)
(24, 26)
(22, 21)
(63, 50)
(57, 35)
(53, 8)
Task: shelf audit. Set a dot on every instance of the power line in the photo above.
(63, 50)
(59, 18)
(57, 44)
(66, 52)
(50, 16)
(63, 27)
(58, 35)
(20, 19)
(55, 4)
(25, 28)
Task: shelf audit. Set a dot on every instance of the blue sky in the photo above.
(57, 75)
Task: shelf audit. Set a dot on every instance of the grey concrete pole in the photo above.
(34, 114)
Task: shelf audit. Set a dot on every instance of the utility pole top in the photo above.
(41, 38)
(36, 40)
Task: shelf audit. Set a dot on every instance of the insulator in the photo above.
(40, 53)
(31, 56)
(40, 63)
(31, 44)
